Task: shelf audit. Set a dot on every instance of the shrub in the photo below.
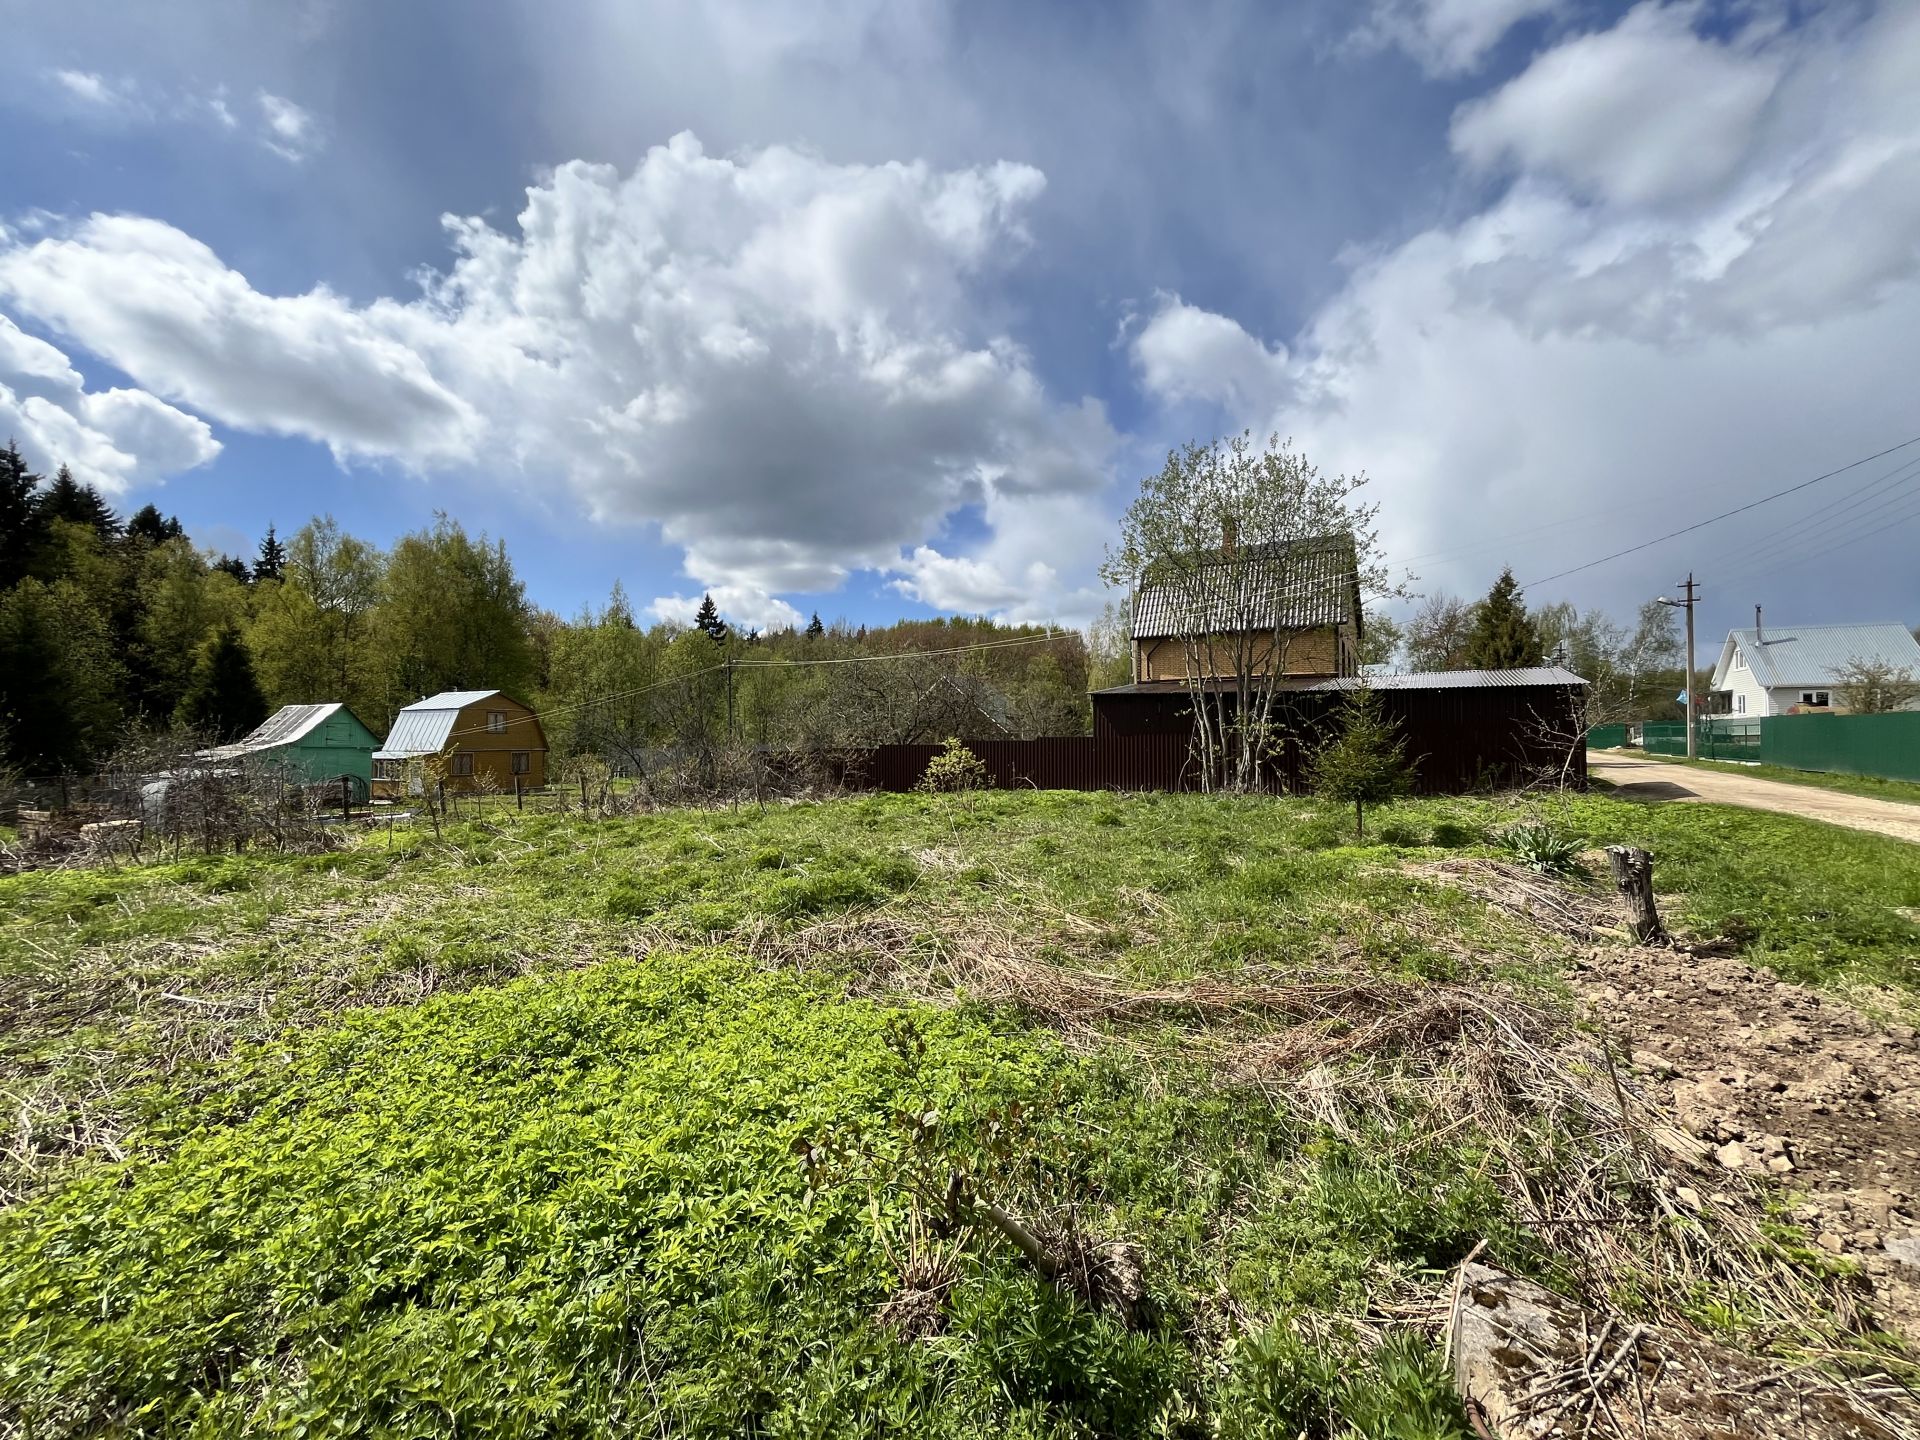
(1538, 846)
(955, 770)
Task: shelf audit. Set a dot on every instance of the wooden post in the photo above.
(518, 803)
(346, 800)
(1633, 877)
(583, 792)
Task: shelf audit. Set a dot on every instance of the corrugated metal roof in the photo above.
(1423, 680)
(451, 700)
(286, 725)
(1300, 584)
(418, 732)
(1814, 654)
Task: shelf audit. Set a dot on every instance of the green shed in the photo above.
(314, 744)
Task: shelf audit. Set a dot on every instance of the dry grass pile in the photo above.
(1575, 912)
(1591, 1161)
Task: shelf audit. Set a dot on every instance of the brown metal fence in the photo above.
(1455, 743)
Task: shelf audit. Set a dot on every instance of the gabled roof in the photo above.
(1815, 654)
(1545, 675)
(424, 727)
(1287, 585)
(286, 725)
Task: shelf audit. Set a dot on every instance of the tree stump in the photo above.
(1633, 877)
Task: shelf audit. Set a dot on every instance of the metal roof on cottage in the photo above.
(1546, 675)
(1815, 654)
(424, 727)
(285, 726)
(1286, 585)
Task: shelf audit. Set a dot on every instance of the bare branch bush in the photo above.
(1235, 537)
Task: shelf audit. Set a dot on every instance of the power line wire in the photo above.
(1724, 515)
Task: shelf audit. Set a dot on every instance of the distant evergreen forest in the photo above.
(110, 625)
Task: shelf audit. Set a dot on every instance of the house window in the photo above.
(462, 762)
(496, 722)
(1739, 704)
(1739, 660)
(522, 761)
(386, 769)
(1816, 698)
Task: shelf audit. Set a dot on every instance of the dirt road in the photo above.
(1642, 779)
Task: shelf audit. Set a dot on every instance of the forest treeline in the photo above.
(110, 624)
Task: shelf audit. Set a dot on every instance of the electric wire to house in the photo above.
(1724, 515)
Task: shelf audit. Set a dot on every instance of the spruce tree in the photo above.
(272, 563)
(67, 499)
(20, 525)
(1366, 764)
(147, 523)
(708, 619)
(223, 699)
(814, 628)
(1504, 636)
(234, 566)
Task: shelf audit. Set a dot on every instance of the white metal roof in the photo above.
(286, 725)
(1815, 654)
(424, 727)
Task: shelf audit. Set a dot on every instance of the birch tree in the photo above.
(1235, 536)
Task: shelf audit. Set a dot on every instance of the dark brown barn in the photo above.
(1464, 728)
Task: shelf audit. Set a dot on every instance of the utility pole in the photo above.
(1692, 599)
(730, 686)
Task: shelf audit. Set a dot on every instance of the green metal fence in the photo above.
(1606, 737)
(1887, 746)
(1664, 737)
(1721, 739)
(1884, 745)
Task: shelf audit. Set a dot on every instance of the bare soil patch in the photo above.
(1788, 1083)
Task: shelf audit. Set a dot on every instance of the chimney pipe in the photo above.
(1229, 535)
(1759, 635)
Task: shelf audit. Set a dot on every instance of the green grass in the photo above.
(1871, 787)
(495, 1135)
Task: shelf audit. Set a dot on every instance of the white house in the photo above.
(1768, 671)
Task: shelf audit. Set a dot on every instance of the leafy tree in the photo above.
(67, 499)
(454, 616)
(708, 619)
(272, 563)
(1381, 640)
(1504, 636)
(1874, 687)
(1366, 764)
(1216, 523)
(312, 634)
(814, 628)
(58, 676)
(1438, 633)
(148, 524)
(20, 525)
(1110, 647)
(181, 604)
(223, 699)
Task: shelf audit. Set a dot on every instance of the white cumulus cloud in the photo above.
(87, 85)
(780, 361)
(1643, 113)
(1448, 37)
(1621, 341)
(113, 438)
(291, 131)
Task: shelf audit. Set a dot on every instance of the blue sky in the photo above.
(883, 308)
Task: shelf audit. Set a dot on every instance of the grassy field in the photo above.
(1871, 786)
(643, 1125)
